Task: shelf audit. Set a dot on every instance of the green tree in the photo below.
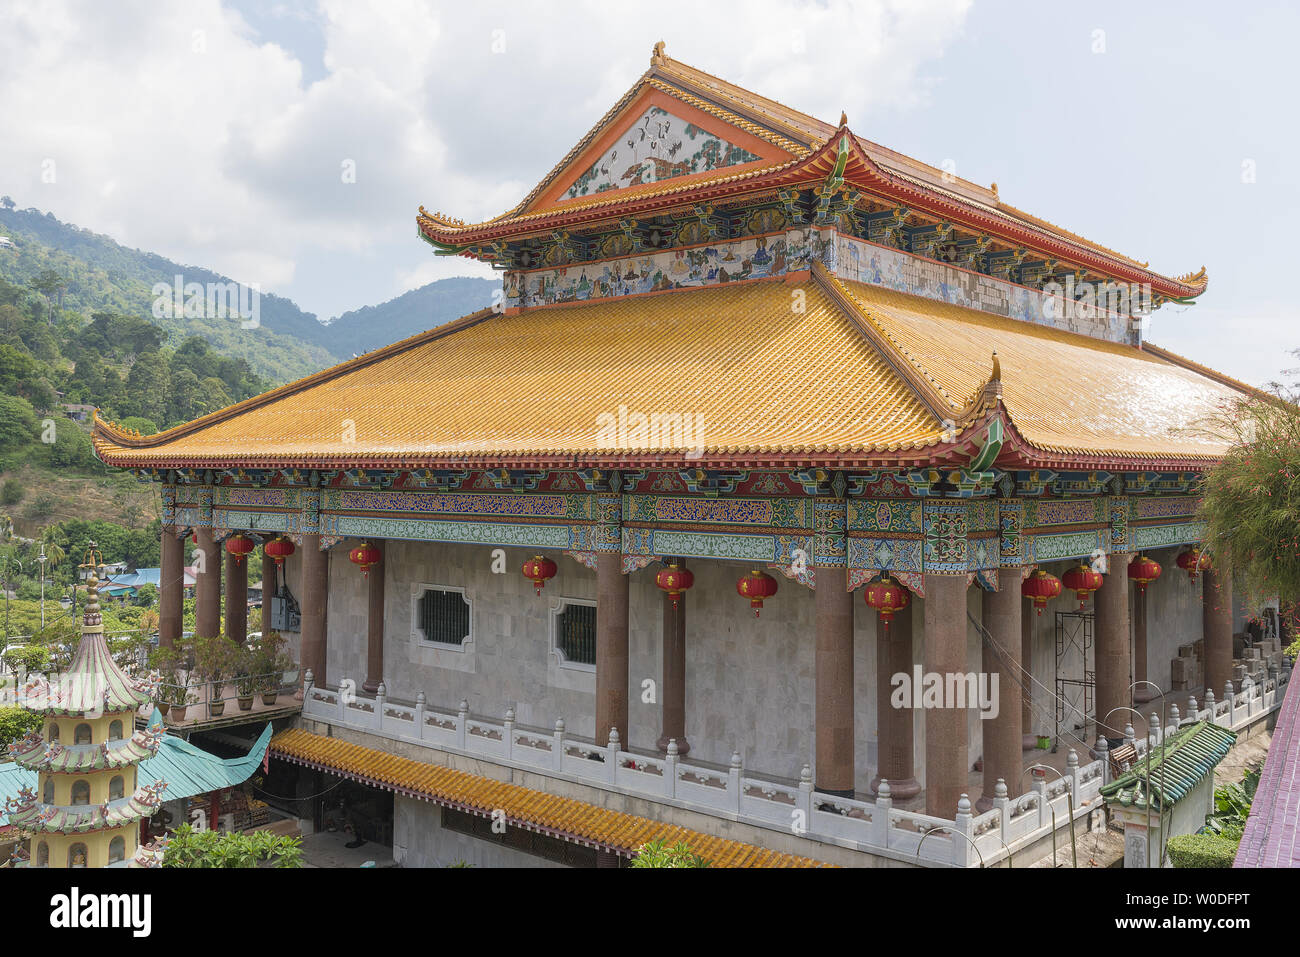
(17, 421)
(191, 848)
(15, 722)
(1251, 500)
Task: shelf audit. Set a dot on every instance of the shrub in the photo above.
(1202, 850)
(656, 854)
(11, 493)
(15, 722)
(190, 848)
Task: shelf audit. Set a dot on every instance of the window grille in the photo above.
(443, 616)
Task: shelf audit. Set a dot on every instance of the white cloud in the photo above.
(176, 128)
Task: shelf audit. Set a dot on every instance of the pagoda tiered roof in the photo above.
(789, 148)
(32, 751)
(862, 376)
(30, 814)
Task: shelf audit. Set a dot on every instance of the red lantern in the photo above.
(1192, 560)
(1040, 588)
(539, 570)
(278, 549)
(1083, 581)
(364, 556)
(756, 586)
(674, 580)
(887, 597)
(1143, 571)
(239, 545)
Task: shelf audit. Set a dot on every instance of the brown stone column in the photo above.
(834, 670)
(236, 599)
(1003, 736)
(673, 691)
(171, 588)
(1142, 692)
(611, 647)
(270, 577)
(1112, 645)
(895, 738)
(947, 742)
(207, 586)
(375, 623)
(1216, 627)
(1028, 622)
(315, 597)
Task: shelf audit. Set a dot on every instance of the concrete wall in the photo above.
(419, 840)
(750, 682)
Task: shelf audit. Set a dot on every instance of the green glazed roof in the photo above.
(1187, 758)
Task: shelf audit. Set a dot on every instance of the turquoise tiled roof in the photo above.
(1188, 757)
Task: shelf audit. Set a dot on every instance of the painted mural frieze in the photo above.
(1159, 536)
(658, 146)
(1050, 548)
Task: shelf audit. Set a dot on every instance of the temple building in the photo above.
(835, 482)
(88, 804)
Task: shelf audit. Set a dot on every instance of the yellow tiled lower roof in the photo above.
(1064, 392)
(764, 371)
(614, 830)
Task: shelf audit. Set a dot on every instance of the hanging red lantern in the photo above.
(1083, 581)
(1040, 588)
(278, 549)
(1142, 571)
(239, 545)
(756, 586)
(674, 580)
(887, 596)
(1192, 560)
(364, 556)
(539, 570)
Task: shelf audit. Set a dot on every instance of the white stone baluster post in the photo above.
(733, 781)
(804, 801)
(462, 722)
(963, 824)
(508, 734)
(1209, 704)
(343, 699)
(381, 696)
(308, 682)
(1193, 709)
(557, 746)
(1129, 734)
(420, 702)
(670, 769)
(611, 759)
(1072, 774)
(1229, 695)
(1044, 812)
(1103, 755)
(1154, 730)
(1002, 803)
(1175, 720)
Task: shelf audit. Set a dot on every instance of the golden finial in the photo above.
(994, 187)
(997, 367)
(844, 119)
(657, 56)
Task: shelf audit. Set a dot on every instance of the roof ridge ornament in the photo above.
(657, 55)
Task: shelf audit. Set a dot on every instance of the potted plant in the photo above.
(179, 698)
(215, 658)
(270, 661)
(246, 682)
(165, 661)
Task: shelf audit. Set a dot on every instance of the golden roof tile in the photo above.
(756, 374)
(620, 832)
(1064, 392)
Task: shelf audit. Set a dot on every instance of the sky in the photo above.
(290, 143)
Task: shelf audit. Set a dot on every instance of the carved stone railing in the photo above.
(792, 806)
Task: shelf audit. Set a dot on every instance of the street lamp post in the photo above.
(7, 567)
(42, 558)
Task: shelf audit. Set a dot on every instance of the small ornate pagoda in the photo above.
(90, 804)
